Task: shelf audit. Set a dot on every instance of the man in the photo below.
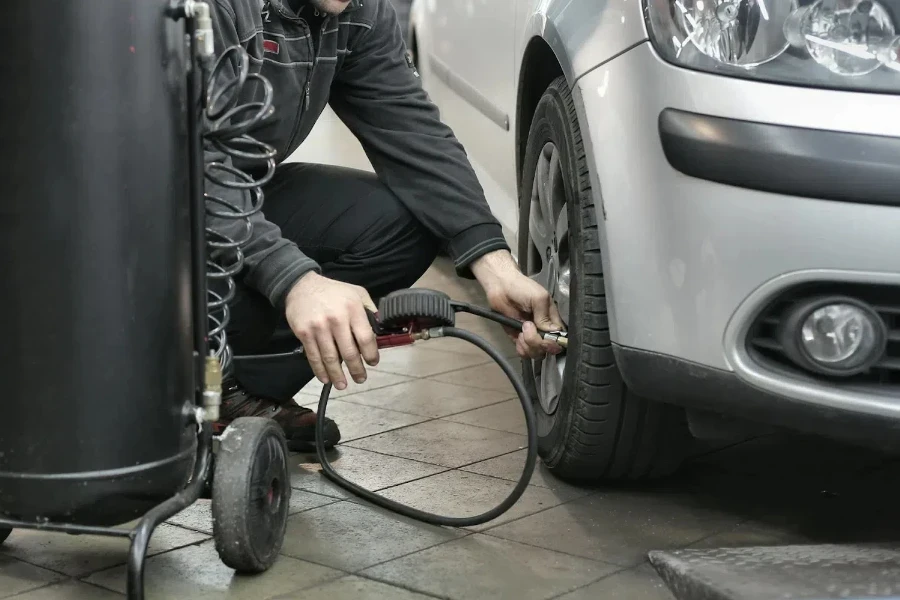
(330, 239)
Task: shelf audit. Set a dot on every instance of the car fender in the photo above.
(582, 33)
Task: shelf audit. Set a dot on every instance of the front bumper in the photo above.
(690, 262)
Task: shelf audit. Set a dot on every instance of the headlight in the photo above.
(823, 43)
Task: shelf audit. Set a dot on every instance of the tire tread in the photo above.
(613, 434)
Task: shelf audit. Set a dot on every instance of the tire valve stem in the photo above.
(212, 392)
(558, 337)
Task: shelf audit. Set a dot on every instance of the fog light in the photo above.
(833, 336)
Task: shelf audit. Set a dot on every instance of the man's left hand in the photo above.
(515, 295)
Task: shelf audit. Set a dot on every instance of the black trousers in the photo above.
(356, 229)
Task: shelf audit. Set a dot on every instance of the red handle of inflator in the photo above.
(387, 338)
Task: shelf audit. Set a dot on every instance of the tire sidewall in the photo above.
(551, 124)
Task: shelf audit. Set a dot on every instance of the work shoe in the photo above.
(298, 423)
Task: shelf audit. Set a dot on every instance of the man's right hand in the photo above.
(329, 318)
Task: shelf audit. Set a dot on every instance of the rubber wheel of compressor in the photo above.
(4, 533)
(601, 430)
(251, 493)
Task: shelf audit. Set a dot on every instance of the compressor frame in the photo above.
(204, 409)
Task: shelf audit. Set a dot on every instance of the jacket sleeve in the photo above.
(378, 94)
(271, 263)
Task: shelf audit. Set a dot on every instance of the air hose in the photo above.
(418, 314)
(404, 317)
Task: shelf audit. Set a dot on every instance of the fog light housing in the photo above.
(835, 336)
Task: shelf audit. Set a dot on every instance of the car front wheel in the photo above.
(590, 426)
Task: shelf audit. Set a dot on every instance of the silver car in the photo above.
(710, 189)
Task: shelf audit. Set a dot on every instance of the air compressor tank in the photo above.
(95, 291)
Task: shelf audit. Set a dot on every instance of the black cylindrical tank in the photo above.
(95, 353)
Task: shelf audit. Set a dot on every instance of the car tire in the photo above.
(598, 429)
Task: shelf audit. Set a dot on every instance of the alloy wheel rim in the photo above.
(549, 262)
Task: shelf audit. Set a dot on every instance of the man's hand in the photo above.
(329, 317)
(515, 295)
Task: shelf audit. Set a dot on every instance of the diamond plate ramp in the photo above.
(782, 573)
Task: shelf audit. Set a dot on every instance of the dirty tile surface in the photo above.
(437, 429)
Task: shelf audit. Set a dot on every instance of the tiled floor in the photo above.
(436, 427)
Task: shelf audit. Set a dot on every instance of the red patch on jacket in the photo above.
(270, 46)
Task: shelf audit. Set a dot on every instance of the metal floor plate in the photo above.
(782, 573)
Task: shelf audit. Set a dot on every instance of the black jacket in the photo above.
(357, 62)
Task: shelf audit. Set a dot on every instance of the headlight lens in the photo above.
(740, 34)
(825, 43)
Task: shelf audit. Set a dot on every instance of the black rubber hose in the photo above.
(488, 314)
(421, 515)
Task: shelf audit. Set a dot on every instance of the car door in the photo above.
(473, 62)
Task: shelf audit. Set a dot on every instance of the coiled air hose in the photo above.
(226, 128)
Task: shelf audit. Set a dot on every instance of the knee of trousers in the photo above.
(398, 242)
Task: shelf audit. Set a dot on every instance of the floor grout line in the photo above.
(581, 587)
(105, 589)
(62, 581)
(487, 532)
(438, 374)
(465, 534)
(300, 592)
(399, 585)
(430, 420)
(429, 417)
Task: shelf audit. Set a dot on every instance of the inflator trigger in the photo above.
(394, 336)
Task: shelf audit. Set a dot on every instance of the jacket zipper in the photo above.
(306, 87)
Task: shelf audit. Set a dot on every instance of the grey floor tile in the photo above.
(358, 420)
(352, 536)
(422, 360)
(442, 276)
(752, 534)
(198, 516)
(443, 443)
(197, 573)
(491, 332)
(505, 416)
(358, 588)
(376, 379)
(77, 555)
(427, 398)
(620, 528)
(482, 567)
(309, 478)
(461, 494)
(70, 590)
(639, 583)
(509, 466)
(371, 470)
(486, 377)
(17, 577)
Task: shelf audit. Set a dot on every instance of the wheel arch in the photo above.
(540, 65)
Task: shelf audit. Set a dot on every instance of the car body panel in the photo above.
(581, 33)
(684, 252)
(476, 84)
(688, 263)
